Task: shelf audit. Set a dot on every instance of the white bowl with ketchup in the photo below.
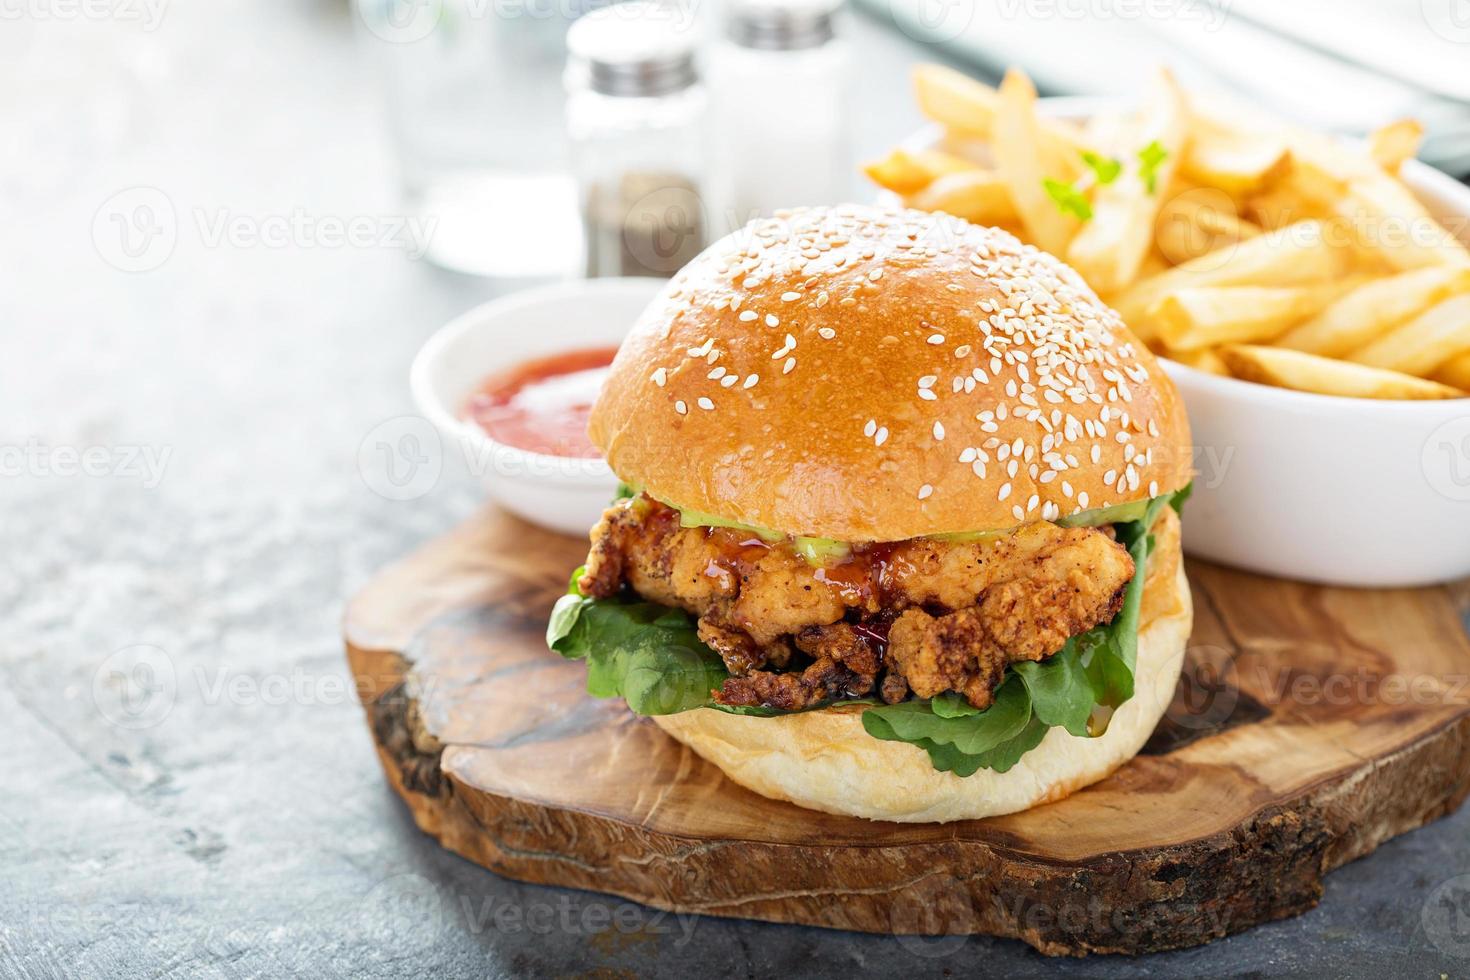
(511, 383)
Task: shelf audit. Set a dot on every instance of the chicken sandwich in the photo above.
(898, 536)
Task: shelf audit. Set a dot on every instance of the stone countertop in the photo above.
(235, 821)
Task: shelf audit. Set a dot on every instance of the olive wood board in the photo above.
(1311, 725)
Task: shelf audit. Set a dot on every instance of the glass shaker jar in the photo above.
(780, 80)
(636, 119)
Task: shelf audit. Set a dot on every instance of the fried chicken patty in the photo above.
(923, 615)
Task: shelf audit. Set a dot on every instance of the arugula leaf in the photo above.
(1061, 691)
(647, 654)
(1105, 169)
(1149, 159)
(1067, 198)
(971, 733)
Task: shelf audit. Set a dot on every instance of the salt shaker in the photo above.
(780, 79)
(636, 116)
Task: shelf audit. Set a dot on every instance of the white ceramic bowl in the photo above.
(1343, 491)
(562, 494)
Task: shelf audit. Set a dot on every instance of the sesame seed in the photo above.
(1018, 513)
(790, 297)
(928, 395)
(936, 339)
(706, 404)
(772, 320)
(660, 376)
(967, 455)
(821, 299)
(925, 491)
(790, 363)
(1082, 500)
(751, 380)
(716, 374)
(881, 437)
(728, 381)
(1153, 488)
(927, 381)
(1005, 491)
(826, 333)
(748, 315)
(870, 428)
(939, 431)
(681, 408)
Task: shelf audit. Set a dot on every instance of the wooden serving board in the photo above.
(1312, 725)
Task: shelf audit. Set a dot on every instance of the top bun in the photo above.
(872, 374)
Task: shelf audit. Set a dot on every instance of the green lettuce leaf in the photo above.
(648, 655)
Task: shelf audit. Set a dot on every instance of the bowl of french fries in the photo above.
(1310, 297)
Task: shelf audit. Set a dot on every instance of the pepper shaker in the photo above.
(636, 119)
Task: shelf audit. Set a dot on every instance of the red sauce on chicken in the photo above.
(543, 405)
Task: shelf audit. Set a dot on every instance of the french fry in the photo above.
(968, 108)
(1205, 359)
(1391, 145)
(1110, 247)
(1299, 253)
(1325, 376)
(955, 100)
(1455, 372)
(1425, 342)
(1191, 319)
(1282, 205)
(1237, 162)
(1373, 308)
(898, 172)
(978, 196)
(905, 173)
(1024, 163)
(1199, 220)
(1387, 218)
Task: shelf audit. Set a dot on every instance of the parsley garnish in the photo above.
(1106, 169)
(1149, 159)
(1068, 199)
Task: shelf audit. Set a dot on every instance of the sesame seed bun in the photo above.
(895, 374)
(825, 760)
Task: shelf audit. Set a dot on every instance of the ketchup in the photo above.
(543, 405)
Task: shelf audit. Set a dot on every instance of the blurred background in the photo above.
(229, 225)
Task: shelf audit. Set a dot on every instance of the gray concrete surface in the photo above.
(224, 815)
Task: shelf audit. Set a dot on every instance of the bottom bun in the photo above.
(825, 760)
